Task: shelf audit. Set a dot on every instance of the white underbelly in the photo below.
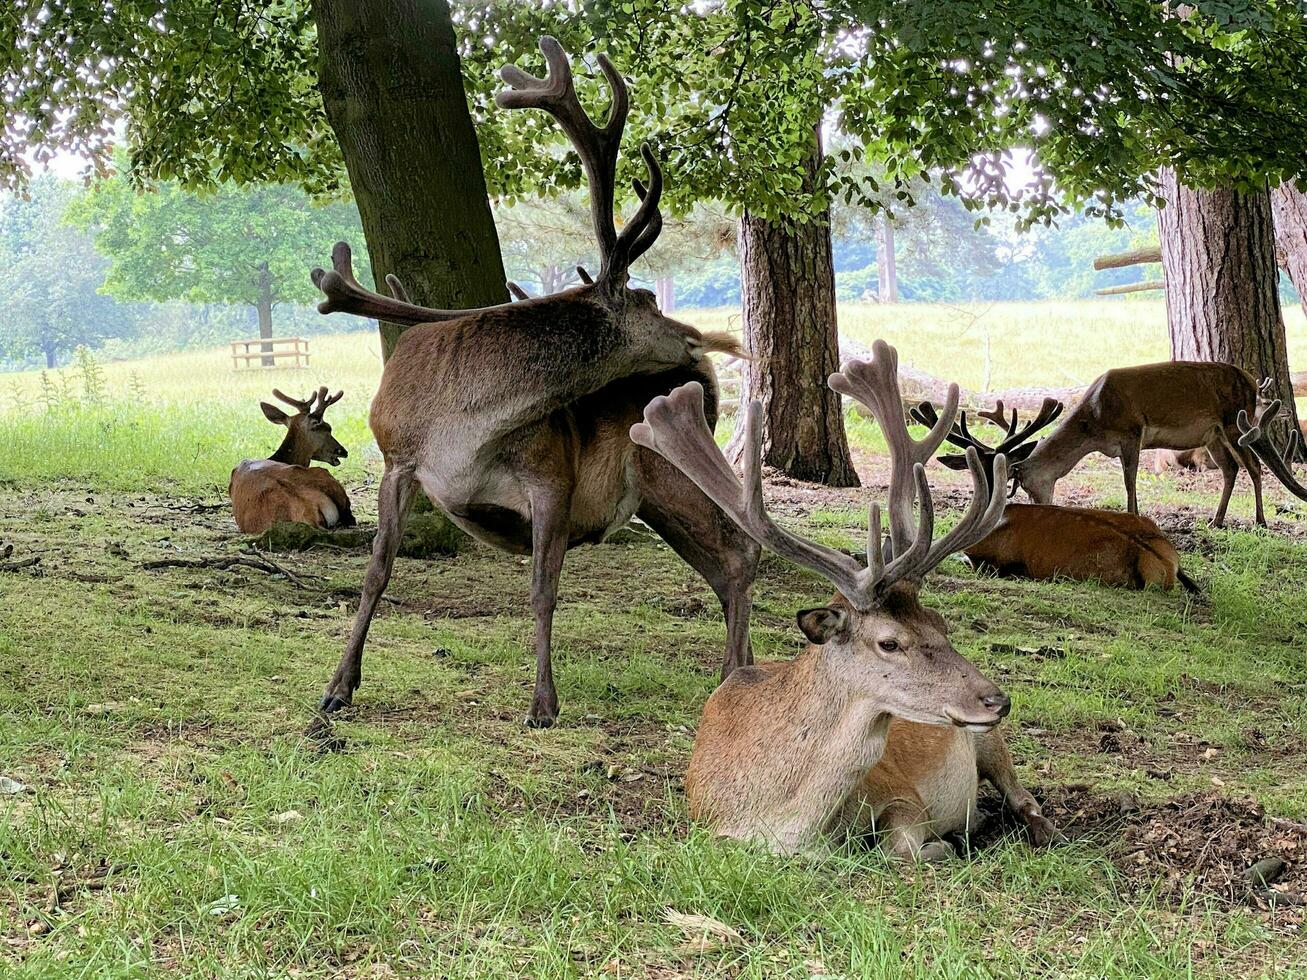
(949, 792)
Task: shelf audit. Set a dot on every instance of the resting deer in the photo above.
(1043, 541)
(285, 487)
(514, 418)
(1172, 405)
(785, 751)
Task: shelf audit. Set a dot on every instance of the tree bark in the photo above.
(1222, 304)
(788, 281)
(1289, 206)
(887, 271)
(392, 86)
(264, 308)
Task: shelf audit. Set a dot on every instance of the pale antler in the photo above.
(674, 426)
(346, 295)
(597, 146)
(1253, 432)
(875, 384)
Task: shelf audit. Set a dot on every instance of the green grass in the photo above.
(156, 718)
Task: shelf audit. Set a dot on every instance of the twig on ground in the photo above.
(13, 566)
(256, 560)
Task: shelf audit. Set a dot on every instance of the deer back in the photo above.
(264, 492)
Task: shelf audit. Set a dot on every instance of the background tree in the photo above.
(50, 275)
(244, 246)
(1105, 93)
(210, 92)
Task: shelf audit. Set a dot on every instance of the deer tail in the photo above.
(722, 342)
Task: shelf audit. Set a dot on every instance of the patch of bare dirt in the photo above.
(1204, 843)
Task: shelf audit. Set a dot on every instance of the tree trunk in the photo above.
(1289, 205)
(264, 308)
(47, 348)
(886, 262)
(1222, 304)
(392, 87)
(665, 291)
(788, 280)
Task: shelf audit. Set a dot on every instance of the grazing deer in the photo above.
(1044, 541)
(514, 418)
(1192, 460)
(285, 487)
(1172, 405)
(783, 751)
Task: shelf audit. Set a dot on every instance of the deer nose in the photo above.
(998, 702)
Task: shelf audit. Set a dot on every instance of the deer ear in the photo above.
(821, 624)
(954, 461)
(274, 414)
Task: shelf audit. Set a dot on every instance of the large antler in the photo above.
(674, 426)
(1012, 445)
(598, 148)
(346, 295)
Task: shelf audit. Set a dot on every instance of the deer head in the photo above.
(308, 435)
(636, 310)
(875, 634)
(1014, 446)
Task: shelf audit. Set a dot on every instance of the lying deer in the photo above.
(1042, 541)
(1172, 405)
(514, 418)
(285, 487)
(785, 751)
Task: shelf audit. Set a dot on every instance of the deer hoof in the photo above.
(539, 721)
(936, 852)
(1042, 830)
(332, 703)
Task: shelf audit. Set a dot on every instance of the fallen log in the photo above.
(1133, 287)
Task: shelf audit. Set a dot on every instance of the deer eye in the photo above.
(889, 646)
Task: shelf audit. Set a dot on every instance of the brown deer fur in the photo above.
(1042, 541)
(1172, 405)
(784, 750)
(285, 487)
(514, 418)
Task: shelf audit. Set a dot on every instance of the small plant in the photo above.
(136, 386)
(50, 396)
(93, 383)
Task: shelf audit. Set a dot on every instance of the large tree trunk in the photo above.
(1289, 206)
(790, 331)
(887, 271)
(1222, 304)
(264, 308)
(392, 87)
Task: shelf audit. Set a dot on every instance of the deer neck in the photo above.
(1057, 454)
(834, 736)
(292, 452)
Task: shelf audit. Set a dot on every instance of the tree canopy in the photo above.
(245, 246)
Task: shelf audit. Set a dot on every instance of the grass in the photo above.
(157, 717)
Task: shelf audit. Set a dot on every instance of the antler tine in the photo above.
(345, 295)
(982, 516)
(303, 404)
(517, 291)
(1252, 432)
(999, 417)
(324, 402)
(1048, 413)
(397, 289)
(645, 226)
(674, 426)
(596, 145)
(584, 276)
(875, 384)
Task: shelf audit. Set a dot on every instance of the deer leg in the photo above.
(994, 762)
(1254, 467)
(1225, 462)
(712, 545)
(392, 507)
(905, 829)
(1130, 468)
(549, 534)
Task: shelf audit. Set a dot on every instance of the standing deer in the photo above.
(785, 751)
(1172, 405)
(514, 418)
(1044, 541)
(285, 487)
